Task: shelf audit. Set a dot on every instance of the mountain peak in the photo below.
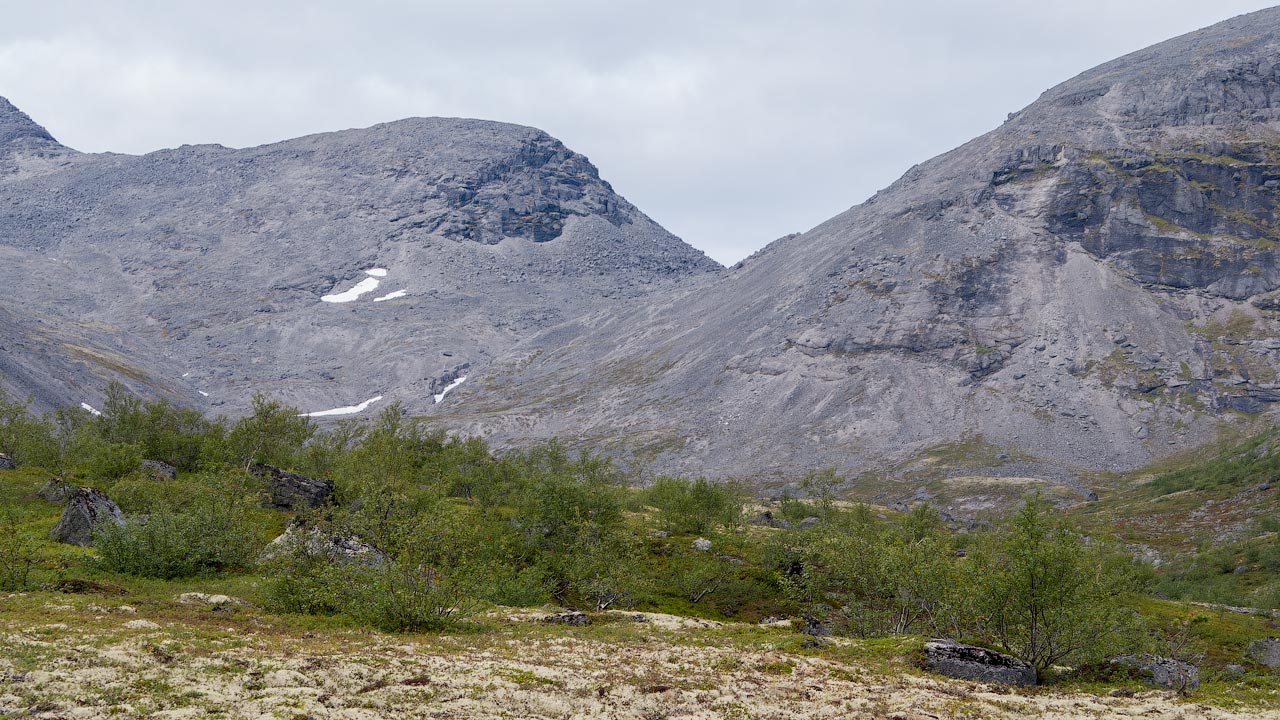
(17, 127)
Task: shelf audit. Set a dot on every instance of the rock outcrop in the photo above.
(87, 509)
(7, 463)
(969, 662)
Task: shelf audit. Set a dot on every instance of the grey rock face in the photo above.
(969, 662)
(86, 509)
(292, 491)
(159, 470)
(6, 462)
(1090, 285)
(1163, 672)
(1265, 652)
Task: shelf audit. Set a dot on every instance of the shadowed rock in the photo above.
(969, 662)
(7, 463)
(291, 490)
(87, 510)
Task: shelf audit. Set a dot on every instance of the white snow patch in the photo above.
(366, 285)
(348, 410)
(391, 295)
(203, 393)
(376, 272)
(186, 374)
(96, 413)
(440, 395)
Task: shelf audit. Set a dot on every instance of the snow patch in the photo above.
(366, 285)
(376, 272)
(348, 410)
(203, 393)
(391, 296)
(440, 395)
(96, 413)
(186, 374)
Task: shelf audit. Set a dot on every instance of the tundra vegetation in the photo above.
(455, 529)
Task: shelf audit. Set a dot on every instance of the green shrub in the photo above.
(17, 553)
(696, 506)
(210, 532)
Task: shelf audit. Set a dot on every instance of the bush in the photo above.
(17, 553)
(695, 506)
(211, 532)
(1040, 593)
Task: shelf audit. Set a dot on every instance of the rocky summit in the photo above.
(1089, 287)
(326, 271)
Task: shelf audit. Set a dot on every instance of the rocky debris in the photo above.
(141, 624)
(215, 602)
(815, 627)
(315, 541)
(7, 463)
(702, 545)
(56, 491)
(159, 470)
(659, 534)
(969, 662)
(80, 586)
(1265, 652)
(86, 510)
(291, 490)
(1162, 672)
(568, 617)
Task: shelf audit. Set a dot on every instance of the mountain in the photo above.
(1089, 287)
(326, 271)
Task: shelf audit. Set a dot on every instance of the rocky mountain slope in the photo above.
(1088, 287)
(327, 270)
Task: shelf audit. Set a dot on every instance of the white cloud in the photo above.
(731, 123)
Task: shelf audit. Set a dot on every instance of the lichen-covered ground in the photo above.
(98, 657)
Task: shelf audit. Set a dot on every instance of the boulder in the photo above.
(315, 541)
(291, 490)
(1265, 652)
(56, 491)
(6, 462)
(215, 602)
(159, 470)
(568, 617)
(702, 545)
(768, 519)
(86, 510)
(969, 662)
(808, 522)
(1161, 671)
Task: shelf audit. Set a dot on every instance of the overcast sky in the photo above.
(730, 123)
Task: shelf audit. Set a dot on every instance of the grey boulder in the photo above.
(7, 463)
(86, 510)
(1265, 652)
(1162, 672)
(159, 470)
(969, 662)
(291, 490)
(56, 491)
(337, 547)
